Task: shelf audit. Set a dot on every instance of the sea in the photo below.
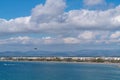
(58, 71)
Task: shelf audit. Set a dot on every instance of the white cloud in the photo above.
(23, 40)
(17, 25)
(48, 12)
(18, 40)
(79, 20)
(93, 19)
(115, 35)
(87, 35)
(74, 26)
(52, 19)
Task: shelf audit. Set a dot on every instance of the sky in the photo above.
(59, 25)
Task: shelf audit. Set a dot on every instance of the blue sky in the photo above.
(23, 7)
(18, 7)
(59, 25)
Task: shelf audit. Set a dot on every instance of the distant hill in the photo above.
(65, 53)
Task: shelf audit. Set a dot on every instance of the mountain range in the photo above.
(83, 53)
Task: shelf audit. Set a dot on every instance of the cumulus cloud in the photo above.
(17, 25)
(92, 19)
(74, 26)
(51, 18)
(51, 11)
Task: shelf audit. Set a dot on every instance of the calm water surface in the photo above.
(57, 71)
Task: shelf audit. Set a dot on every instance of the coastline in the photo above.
(75, 60)
(63, 62)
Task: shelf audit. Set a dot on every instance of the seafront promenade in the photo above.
(65, 59)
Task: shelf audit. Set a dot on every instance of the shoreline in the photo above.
(64, 62)
(78, 60)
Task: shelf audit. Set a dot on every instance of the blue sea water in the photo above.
(57, 71)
